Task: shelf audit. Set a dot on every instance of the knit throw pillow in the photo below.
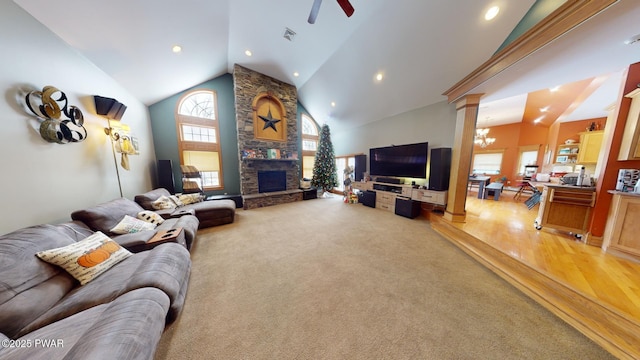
(86, 259)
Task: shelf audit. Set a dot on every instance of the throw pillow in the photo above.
(187, 199)
(162, 203)
(87, 258)
(176, 200)
(150, 217)
(131, 225)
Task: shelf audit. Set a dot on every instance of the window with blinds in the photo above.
(487, 163)
(198, 140)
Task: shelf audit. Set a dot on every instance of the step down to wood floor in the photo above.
(611, 329)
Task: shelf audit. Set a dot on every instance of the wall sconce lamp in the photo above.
(112, 110)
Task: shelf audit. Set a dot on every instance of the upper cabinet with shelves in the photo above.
(629, 149)
(567, 153)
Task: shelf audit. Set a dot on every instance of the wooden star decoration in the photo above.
(269, 121)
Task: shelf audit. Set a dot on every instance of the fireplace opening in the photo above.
(272, 180)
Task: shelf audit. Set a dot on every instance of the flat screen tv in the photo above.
(408, 160)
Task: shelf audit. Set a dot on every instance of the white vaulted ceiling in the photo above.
(421, 47)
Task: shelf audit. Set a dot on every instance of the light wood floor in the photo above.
(591, 277)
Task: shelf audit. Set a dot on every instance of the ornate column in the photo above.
(466, 115)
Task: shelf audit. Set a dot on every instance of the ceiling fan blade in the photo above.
(314, 11)
(346, 7)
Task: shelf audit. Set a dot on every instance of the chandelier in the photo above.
(481, 138)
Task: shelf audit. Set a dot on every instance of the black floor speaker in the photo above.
(368, 198)
(165, 176)
(360, 167)
(407, 208)
(439, 169)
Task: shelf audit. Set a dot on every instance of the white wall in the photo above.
(434, 123)
(44, 182)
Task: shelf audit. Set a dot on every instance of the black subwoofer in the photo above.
(368, 198)
(407, 207)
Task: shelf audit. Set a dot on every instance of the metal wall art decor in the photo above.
(49, 105)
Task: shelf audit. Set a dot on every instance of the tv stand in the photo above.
(386, 194)
(398, 189)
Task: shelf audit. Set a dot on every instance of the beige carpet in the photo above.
(321, 279)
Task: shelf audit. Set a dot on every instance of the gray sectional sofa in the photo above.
(46, 314)
(209, 213)
(104, 217)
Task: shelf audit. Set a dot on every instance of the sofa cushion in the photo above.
(166, 267)
(106, 216)
(134, 242)
(28, 285)
(188, 223)
(214, 213)
(86, 259)
(130, 327)
(145, 200)
(131, 224)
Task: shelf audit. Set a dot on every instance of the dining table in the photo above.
(482, 181)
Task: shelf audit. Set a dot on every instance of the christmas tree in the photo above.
(324, 169)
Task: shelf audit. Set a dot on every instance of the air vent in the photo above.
(289, 34)
(632, 40)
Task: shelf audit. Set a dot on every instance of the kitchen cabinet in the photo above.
(567, 153)
(629, 149)
(621, 232)
(566, 208)
(590, 143)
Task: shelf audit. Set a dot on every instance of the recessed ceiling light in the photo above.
(248, 52)
(333, 104)
(555, 88)
(176, 48)
(544, 109)
(538, 119)
(492, 13)
(379, 76)
(296, 74)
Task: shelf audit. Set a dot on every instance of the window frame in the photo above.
(521, 151)
(186, 145)
(306, 136)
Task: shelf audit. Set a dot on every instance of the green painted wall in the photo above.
(165, 138)
(539, 10)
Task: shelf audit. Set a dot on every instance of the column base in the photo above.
(459, 218)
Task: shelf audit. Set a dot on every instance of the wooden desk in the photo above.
(482, 181)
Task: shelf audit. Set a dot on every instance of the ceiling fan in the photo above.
(344, 4)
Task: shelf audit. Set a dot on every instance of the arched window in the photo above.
(309, 145)
(198, 136)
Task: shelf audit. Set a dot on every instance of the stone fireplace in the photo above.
(249, 86)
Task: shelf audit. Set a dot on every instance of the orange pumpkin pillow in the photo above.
(88, 258)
